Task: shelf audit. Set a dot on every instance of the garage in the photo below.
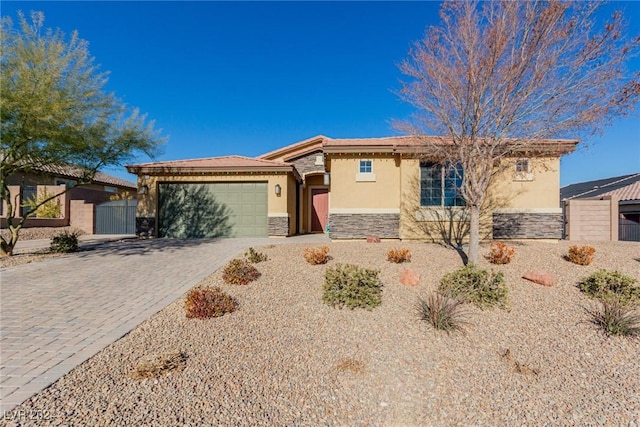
(212, 209)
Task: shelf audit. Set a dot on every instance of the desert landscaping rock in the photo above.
(543, 278)
(410, 277)
(284, 357)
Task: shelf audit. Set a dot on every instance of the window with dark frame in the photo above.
(522, 166)
(440, 185)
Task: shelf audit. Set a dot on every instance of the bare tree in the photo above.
(497, 77)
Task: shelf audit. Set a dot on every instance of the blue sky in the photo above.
(245, 78)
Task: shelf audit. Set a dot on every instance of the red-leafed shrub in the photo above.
(500, 253)
(204, 303)
(239, 272)
(315, 256)
(582, 255)
(399, 255)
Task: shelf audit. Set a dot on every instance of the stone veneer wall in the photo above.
(358, 226)
(307, 163)
(278, 225)
(527, 225)
(145, 227)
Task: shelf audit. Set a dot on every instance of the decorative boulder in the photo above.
(410, 277)
(373, 239)
(543, 278)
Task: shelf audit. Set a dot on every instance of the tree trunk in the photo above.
(7, 245)
(474, 234)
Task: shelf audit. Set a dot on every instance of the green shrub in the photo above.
(352, 286)
(606, 284)
(64, 242)
(204, 303)
(475, 285)
(255, 256)
(239, 272)
(617, 317)
(443, 313)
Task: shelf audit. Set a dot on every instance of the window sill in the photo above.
(523, 177)
(365, 177)
(440, 213)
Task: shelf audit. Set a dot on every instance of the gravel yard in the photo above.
(285, 358)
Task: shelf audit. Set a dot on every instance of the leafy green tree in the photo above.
(56, 112)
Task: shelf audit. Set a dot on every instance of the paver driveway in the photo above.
(57, 313)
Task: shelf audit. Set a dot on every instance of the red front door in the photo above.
(320, 209)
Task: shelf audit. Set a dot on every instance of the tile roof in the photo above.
(296, 149)
(74, 172)
(213, 164)
(600, 187)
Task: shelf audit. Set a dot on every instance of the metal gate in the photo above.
(116, 217)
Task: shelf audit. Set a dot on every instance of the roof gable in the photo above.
(296, 150)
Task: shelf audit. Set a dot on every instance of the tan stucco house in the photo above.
(348, 188)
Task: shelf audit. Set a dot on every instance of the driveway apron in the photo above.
(57, 313)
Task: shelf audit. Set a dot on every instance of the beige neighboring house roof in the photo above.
(630, 192)
(73, 172)
(223, 164)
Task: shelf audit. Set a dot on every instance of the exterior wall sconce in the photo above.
(327, 178)
(144, 189)
(278, 190)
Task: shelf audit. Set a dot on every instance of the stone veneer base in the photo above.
(278, 225)
(145, 227)
(359, 226)
(527, 225)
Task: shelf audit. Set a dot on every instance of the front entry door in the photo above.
(320, 209)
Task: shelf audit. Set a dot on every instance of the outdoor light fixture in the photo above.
(326, 178)
(278, 190)
(144, 189)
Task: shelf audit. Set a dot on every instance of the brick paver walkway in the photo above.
(57, 313)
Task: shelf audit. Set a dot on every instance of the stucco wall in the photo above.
(348, 194)
(277, 206)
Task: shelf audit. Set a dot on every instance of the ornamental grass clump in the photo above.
(239, 272)
(205, 303)
(581, 255)
(500, 253)
(315, 256)
(475, 285)
(611, 285)
(351, 286)
(65, 242)
(443, 313)
(399, 255)
(616, 317)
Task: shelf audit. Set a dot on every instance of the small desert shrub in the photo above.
(443, 313)
(500, 253)
(606, 284)
(64, 242)
(351, 286)
(399, 255)
(156, 365)
(239, 272)
(204, 303)
(255, 256)
(354, 366)
(315, 256)
(616, 317)
(516, 366)
(582, 255)
(475, 285)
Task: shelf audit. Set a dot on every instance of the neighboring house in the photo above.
(77, 206)
(605, 209)
(350, 188)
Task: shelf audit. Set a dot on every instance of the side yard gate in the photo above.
(116, 217)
